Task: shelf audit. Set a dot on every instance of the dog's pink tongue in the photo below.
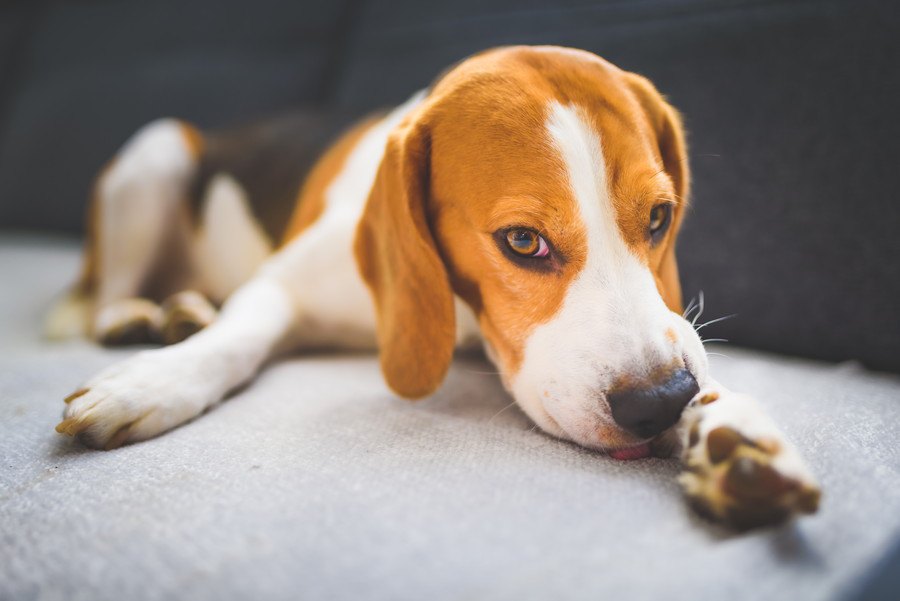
(638, 452)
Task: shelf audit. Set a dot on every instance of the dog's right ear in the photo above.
(400, 262)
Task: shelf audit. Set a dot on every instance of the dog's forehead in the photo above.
(491, 139)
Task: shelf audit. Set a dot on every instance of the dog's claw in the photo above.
(75, 395)
(70, 426)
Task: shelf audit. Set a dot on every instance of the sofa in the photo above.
(317, 482)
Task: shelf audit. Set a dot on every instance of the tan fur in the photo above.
(399, 260)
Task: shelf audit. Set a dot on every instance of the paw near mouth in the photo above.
(733, 479)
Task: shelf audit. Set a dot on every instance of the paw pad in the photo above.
(721, 443)
(733, 478)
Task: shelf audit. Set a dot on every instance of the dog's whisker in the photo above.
(701, 305)
(689, 308)
(717, 355)
(712, 321)
(713, 340)
(501, 411)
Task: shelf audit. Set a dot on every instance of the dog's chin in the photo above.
(604, 437)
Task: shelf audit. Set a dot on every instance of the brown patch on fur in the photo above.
(311, 200)
(270, 159)
(493, 167)
(195, 141)
(399, 260)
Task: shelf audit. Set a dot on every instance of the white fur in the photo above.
(138, 199)
(230, 245)
(612, 322)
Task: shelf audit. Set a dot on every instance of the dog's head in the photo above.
(545, 187)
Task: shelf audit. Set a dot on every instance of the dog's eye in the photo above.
(526, 243)
(660, 218)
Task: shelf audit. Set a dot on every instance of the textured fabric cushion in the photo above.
(316, 483)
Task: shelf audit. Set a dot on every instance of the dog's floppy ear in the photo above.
(399, 260)
(669, 131)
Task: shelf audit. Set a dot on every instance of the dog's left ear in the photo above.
(669, 131)
(399, 260)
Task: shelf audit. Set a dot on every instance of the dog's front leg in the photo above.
(739, 467)
(159, 389)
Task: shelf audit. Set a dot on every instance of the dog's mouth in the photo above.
(639, 451)
(663, 445)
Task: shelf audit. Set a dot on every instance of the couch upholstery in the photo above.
(317, 483)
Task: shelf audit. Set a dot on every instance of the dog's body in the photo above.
(529, 199)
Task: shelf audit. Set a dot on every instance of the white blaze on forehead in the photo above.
(579, 146)
(582, 154)
(612, 321)
(614, 284)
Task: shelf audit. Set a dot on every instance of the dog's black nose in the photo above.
(646, 412)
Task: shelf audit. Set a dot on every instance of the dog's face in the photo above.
(545, 187)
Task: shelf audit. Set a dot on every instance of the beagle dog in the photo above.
(529, 201)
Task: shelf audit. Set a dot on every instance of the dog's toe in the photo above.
(185, 314)
(137, 399)
(129, 321)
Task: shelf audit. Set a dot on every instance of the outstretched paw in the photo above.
(137, 399)
(739, 469)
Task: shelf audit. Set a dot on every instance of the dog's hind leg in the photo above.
(142, 221)
(138, 220)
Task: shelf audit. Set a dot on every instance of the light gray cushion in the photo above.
(317, 483)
